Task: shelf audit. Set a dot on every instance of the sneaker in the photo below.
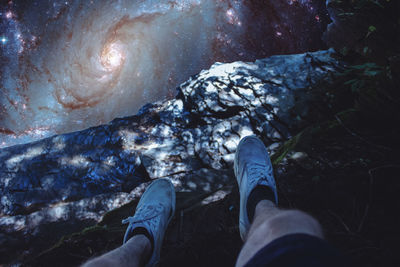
(252, 167)
(153, 212)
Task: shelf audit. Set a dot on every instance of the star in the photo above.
(9, 15)
(3, 40)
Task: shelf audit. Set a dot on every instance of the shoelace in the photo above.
(145, 209)
(259, 171)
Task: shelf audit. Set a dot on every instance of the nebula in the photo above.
(69, 65)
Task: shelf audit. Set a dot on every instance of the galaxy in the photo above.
(70, 65)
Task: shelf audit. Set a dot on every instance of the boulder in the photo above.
(63, 183)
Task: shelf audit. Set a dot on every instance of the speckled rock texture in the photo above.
(63, 183)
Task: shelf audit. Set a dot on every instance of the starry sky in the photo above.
(72, 64)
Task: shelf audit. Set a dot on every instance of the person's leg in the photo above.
(271, 223)
(145, 233)
(260, 220)
(136, 252)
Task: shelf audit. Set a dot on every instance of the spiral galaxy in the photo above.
(69, 65)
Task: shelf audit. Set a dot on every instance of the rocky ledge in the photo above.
(61, 184)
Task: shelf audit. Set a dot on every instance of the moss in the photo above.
(91, 229)
(64, 239)
(286, 148)
(302, 140)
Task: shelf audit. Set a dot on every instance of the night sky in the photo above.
(69, 65)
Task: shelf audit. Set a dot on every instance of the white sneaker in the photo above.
(153, 212)
(252, 167)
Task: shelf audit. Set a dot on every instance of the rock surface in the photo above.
(60, 184)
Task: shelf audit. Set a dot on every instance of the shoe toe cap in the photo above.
(252, 148)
